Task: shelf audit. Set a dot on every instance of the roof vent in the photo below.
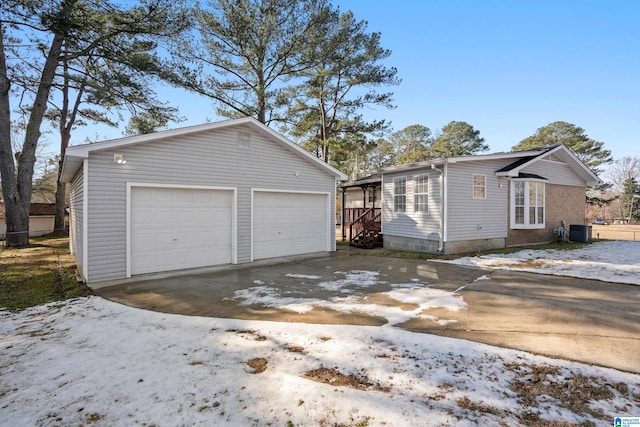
(244, 139)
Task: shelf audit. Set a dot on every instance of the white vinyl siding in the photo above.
(400, 194)
(76, 220)
(421, 225)
(555, 172)
(527, 204)
(467, 217)
(421, 193)
(211, 159)
(470, 218)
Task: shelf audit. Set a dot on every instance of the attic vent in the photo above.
(244, 139)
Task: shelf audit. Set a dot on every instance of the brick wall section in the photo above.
(562, 202)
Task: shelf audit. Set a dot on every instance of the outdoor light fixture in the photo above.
(119, 159)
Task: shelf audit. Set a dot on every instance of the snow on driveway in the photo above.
(610, 261)
(348, 287)
(94, 362)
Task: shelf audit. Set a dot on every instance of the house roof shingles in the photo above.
(521, 159)
(36, 209)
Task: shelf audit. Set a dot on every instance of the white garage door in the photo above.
(177, 228)
(288, 224)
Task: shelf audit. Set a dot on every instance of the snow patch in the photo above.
(101, 363)
(303, 276)
(610, 261)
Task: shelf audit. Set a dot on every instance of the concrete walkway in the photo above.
(583, 320)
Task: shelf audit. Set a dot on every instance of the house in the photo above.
(229, 192)
(470, 203)
(41, 219)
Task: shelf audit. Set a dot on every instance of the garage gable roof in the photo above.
(75, 155)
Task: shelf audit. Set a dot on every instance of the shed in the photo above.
(41, 219)
(220, 193)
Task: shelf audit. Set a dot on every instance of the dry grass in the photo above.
(532, 419)
(524, 263)
(334, 377)
(389, 253)
(38, 274)
(442, 393)
(469, 405)
(251, 332)
(295, 348)
(576, 393)
(258, 364)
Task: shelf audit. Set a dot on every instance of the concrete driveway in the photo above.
(583, 320)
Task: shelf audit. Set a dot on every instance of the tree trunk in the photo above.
(17, 186)
(61, 195)
(324, 133)
(61, 189)
(262, 107)
(16, 218)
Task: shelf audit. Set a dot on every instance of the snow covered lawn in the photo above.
(91, 361)
(610, 261)
(94, 362)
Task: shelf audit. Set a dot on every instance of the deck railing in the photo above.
(352, 214)
(365, 230)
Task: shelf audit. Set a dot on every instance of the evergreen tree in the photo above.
(37, 39)
(411, 144)
(631, 199)
(457, 139)
(347, 70)
(246, 53)
(589, 151)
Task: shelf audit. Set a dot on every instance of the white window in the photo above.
(421, 193)
(519, 202)
(536, 203)
(527, 204)
(400, 194)
(479, 186)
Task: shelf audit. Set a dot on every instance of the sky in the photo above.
(506, 67)
(509, 67)
(90, 361)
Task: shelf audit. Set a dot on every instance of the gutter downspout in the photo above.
(442, 209)
(344, 236)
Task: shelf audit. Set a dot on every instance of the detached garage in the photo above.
(219, 193)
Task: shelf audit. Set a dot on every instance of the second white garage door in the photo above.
(289, 224)
(178, 228)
